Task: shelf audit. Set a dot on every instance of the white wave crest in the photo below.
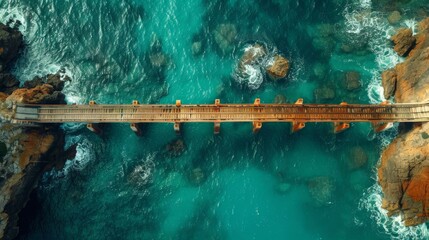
(364, 22)
(392, 226)
(252, 73)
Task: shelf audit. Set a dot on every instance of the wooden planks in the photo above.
(223, 113)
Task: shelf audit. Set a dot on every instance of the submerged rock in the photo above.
(321, 190)
(352, 81)
(225, 36)
(394, 17)
(324, 93)
(197, 48)
(278, 68)
(280, 99)
(175, 148)
(404, 41)
(357, 158)
(283, 187)
(197, 176)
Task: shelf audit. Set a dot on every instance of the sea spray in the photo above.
(392, 226)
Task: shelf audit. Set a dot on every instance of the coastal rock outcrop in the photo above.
(25, 152)
(404, 41)
(404, 170)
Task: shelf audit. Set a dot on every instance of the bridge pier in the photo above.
(257, 126)
(136, 127)
(296, 126)
(177, 128)
(382, 126)
(341, 127)
(95, 128)
(257, 102)
(217, 127)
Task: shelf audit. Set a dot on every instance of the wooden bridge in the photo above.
(257, 113)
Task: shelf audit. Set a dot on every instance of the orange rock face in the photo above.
(404, 41)
(279, 68)
(33, 95)
(404, 175)
(34, 145)
(3, 96)
(404, 170)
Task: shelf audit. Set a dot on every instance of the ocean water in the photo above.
(236, 185)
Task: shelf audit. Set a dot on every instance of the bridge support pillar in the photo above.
(217, 127)
(257, 102)
(257, 127)
(136, 127)
(95, 128)
(296, 126)
(340, 127)
(177, 128)
(381, 126)
(217, 102)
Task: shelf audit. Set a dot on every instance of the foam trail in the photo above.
(392, 226)
(371, 25)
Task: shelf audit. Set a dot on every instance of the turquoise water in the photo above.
(236, 185)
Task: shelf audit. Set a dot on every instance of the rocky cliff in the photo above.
(24, 152)
(404, 170)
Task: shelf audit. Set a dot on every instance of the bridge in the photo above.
(380, 115)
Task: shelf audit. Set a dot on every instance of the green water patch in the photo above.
(3, 150)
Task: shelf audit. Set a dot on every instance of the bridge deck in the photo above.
(141, 113)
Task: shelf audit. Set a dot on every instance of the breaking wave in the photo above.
(392, 226)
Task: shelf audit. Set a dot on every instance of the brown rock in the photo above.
(279, 68)
(404, 176)
(424, 25)
(3, 96)
(394, 17)
(403, 172)
(33, 95)
(404, 41)
(352, 81)
(388, 80)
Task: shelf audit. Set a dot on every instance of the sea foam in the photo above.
(392, 226)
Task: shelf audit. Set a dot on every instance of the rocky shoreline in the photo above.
(404, 170)
(26, 151)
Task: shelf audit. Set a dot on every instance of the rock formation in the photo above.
(26, 151)
(225, 35)
(279, 68)
(404, 170)
(404, 41)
